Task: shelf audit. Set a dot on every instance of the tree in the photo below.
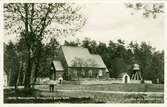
(36, 22)
(148, 9)
(8, 52)
(90, 44)
(11, 63)
(49, 53)
(145, 60)
(71, 43)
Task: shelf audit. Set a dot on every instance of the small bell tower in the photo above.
(136, 74)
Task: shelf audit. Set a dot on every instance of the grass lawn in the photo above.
(107, 97)
(110, 87)
(88, 97)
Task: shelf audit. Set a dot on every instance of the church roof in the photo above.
(79, 54)
(57, 65)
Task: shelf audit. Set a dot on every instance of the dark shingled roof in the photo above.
(71, 53)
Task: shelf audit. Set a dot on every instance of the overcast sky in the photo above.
(113, 21)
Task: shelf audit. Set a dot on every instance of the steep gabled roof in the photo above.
(92, 60)
(57, 65)
(98, 60)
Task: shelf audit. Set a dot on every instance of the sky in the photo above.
(113, 21)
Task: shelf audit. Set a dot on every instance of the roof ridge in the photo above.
(74, 46)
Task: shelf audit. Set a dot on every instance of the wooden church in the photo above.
(74, 63)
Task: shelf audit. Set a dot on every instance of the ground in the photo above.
(109, 87)
(106, 93)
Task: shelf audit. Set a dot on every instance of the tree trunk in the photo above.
(18, 76)
(29, 64)
(28, 72)
(37, 60)
(35, 73)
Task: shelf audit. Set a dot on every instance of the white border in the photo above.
(1, 53)
(81, 1)
(165, 57)
(78, 1)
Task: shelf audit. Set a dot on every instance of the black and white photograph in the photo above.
(84, 53)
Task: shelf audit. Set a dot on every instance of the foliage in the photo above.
(11, 64)
(120, 58)
(148, 9)
(37, 23)
(117, 57)
(34, 23)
